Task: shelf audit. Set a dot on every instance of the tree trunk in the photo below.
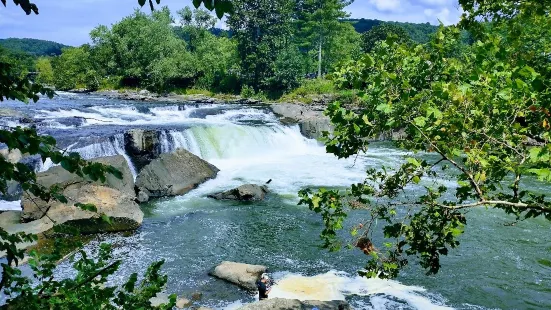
(319, 60)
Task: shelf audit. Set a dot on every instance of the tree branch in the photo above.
(469, 175)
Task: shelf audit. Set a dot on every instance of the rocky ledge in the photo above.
(310, 118)
(114, 198)
(294, 304)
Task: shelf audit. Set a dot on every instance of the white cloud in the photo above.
(386, 5)
(438, 3)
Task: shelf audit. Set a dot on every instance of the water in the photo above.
(495, 267)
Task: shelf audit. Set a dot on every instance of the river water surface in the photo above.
(496, 266)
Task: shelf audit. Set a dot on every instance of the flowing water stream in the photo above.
(495, 267)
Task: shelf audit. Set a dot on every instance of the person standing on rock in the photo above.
(263, 286)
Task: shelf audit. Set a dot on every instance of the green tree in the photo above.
(381, 33)
(289, 69)
(140, 49)
(88, 290)
(344, 46)
(45, 71)
(195, 26)
(262, 30)
(71, 68)
(483, 114)
(319, 21)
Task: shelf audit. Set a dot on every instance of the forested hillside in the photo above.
(419, 33)
(33, 47)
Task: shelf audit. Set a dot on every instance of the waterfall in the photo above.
(238, 141)
(111, 147)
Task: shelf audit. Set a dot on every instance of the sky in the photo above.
(70, 21)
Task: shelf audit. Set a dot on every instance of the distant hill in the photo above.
(33, 47)
(419, 32)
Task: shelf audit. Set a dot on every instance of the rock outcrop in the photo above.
(174, 174)
(310, 119)
(142, 145)
(294, 304)
(114, 198)
(243, 275)
(247, 192)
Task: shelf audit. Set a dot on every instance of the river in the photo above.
(496, 266)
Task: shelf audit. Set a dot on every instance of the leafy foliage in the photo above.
(381, 33)
(482, 112)
(261, 30)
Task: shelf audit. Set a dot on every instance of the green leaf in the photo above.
(106, 218)
(420, 121)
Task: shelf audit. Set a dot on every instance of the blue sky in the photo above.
(70, 21)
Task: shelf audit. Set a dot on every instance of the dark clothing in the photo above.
(262, 288)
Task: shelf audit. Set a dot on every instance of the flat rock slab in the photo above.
(294, 304)
(244, 275)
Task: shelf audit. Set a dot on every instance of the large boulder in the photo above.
(142, 145)
(294, 304)
(174, 174)
(244, 275)
(247, 192)
(114, 198)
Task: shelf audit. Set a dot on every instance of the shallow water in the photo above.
(496, 266)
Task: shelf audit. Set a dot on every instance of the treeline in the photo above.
(34, 47)
(274, 46)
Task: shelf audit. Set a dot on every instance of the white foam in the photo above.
(335, 285)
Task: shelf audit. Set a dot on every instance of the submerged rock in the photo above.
(159, 299)
(175, 174)
(114, 198)
(240, 274)
(183, 303)
(247, 192)
(292, 304)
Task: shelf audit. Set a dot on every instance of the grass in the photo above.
(310, 90)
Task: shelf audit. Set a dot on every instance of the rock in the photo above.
(7, 112)
(143, 195)
(289, 113)
(114, 198)
(159, 299)
(13, 191)
(313, 128)
(311, 120)
(142, 146)
(292, 304)
(144, 92)
(175, 174)
(13, 156)
(247, 192)
(204, 308)
(243, 275)
(183, 303)
(196, 296)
